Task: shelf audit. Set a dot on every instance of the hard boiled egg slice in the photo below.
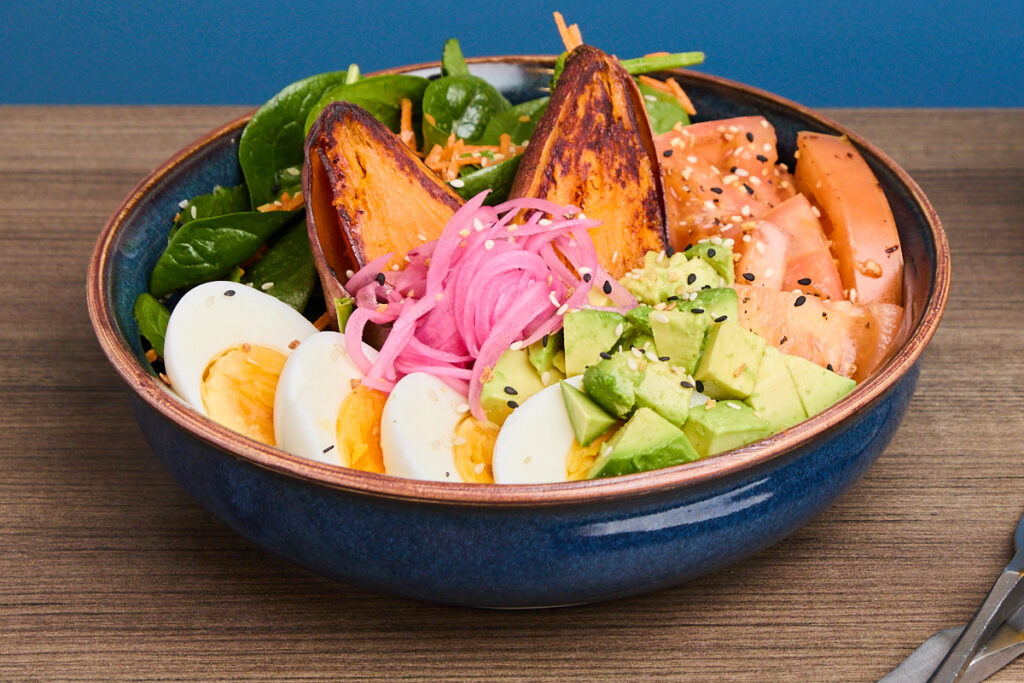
(322, 412)
(225, 347)
(417, 429)
(536, 445)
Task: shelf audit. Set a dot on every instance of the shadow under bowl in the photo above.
(515, 546)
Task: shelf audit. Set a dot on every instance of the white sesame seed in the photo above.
(708, 204)
(659, 317)
(266, 285)
(462, 408)
(457, 182)
(292, 170)
(734, 406)
(618, 330)
(692, 159)
(816, 211)
(631, 364)
(516, 345)
(489, 244)
(421, 237)
(553, 298)
(183, 203)
(193, 211)
(478, 468)
(562, 309)
(544, 221)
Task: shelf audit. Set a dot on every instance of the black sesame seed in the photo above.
(750, 136)
(663, 359)
(669, 251)
(800, 300)
(511, 391)
(607, 287)
(605, 355)
(804, 281)
(230, 292)
(783, 341)
(544, 341)
(829, 368)
(512, 404)
(329, 448)
(700, 386)
(688, 246)
(721, 318)
(716, 190)
(586, 277)
(748, 188)
(667, 153)
(762, 158)
(891, 249)
(711, 253)
(691, 278)
(732, 170)
(672, 298)
(697, 310)
(706, 287)
(686, 385)
(380, 278)
(749, 277)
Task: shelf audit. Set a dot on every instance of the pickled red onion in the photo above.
(485, 284)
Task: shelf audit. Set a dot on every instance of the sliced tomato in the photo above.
(856, 216)
(810, 266)
(719, 175)
(763, 254)
(850, 339)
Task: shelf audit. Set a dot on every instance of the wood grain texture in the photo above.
(108, 571)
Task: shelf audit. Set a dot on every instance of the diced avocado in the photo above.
(724, 426)
(597, 298)
(640, 318)
(730, 361)
(818, 387)
(559, 361)
(662, 391)
(718, 256)
(662, 277)
(586, 333)
(775, 397)
(647, 442)
(513, 382)
(679, 336)
(612, 382)
(542, 352)
(718, 302)
(588, 419)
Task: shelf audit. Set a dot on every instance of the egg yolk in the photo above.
(582, 457)
(473, 447)
(358, 428)
(238, 389)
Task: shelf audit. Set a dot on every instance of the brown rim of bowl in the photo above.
(151, 390)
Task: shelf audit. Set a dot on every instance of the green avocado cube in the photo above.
(612, 382)
(640, 318)
(818, 387)
(718, 256)
(720, 304)
(732, 356)
(724, 426)
(775, 397)
(513, 382)
(542, 358)
(587, 418)
(679, 336)
(647, 442)
(559, 361)
(586, 333)
(662, 390)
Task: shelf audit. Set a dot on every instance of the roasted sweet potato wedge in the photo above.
(593, 148)
(367, 194)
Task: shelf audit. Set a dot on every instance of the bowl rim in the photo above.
(690, 475)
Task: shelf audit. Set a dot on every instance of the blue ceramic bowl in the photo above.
(515, 546)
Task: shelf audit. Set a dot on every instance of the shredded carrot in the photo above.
(576, 35)
(285, 203)
(656, 84)
(151, 356)
(446, 161)
(571, 36)
(407, 135)
(322, 322)
(684, 100)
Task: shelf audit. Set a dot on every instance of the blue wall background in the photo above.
(860, 53)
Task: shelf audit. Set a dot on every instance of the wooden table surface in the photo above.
(109, 571)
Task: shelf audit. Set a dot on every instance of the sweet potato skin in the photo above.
(593, 148)
(367, 195)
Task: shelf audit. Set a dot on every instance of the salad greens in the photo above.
(225, 235)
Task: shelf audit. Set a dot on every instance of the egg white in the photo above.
(217, 316)
(315, 380)
(418, 426)
(534, 443)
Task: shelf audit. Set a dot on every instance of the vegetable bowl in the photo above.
(527, 545)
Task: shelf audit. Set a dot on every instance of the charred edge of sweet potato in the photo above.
(335, 227)
(584, 66)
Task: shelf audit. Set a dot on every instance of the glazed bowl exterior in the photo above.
(515, 546)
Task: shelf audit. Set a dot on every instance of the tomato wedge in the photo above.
(856, 217)
(809, 265)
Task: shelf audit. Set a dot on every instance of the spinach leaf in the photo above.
(222, 200)
(459, 104)
(286, 270)
(380, 95)
(152, 317)
(209, 248)
(273, 138)
(663, 110)
(452, 61)
(519, 122)
(498, 179)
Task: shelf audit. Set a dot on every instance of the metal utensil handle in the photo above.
(1005, 595)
